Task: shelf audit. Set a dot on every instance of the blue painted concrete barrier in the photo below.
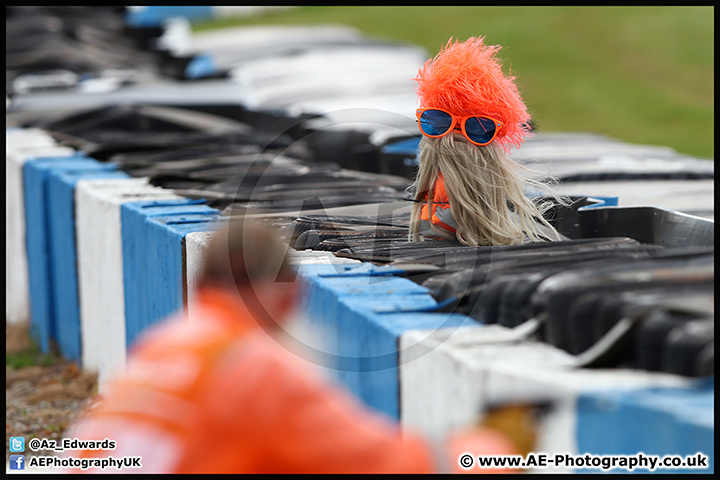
(50, 206)
(155, 15)
(153, 263)
(63, 253)
(363, 310)
(362, 345)
(654, 421)
(43, 323)
(38, 254)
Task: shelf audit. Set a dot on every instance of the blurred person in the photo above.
(222, 394)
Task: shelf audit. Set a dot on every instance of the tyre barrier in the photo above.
(594, 165)
(92, 50)
(137, 248)
(471, 365)
(106, 240)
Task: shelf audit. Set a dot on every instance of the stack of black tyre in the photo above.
(613, 301)
(626, 287)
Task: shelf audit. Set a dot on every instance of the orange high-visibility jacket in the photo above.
(441, 215)
(219, 395)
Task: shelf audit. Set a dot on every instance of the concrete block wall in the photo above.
(61, 229)
(21, 145)
(364, 311)
(139, 249)
(658, 420)
(473, 368)
(100, 265)
(196, 244)
(68, 251)
(43, 313)
(378, 336)
(153, 233)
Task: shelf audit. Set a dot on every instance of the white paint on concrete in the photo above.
(100, 268)
(21, 144)
(448, 378)
(196, 244)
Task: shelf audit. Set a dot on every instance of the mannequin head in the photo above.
(486, 189)
(467, 79)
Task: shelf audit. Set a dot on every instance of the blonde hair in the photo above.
(480, 181)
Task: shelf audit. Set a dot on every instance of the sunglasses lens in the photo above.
(435, 122)
(480, 129)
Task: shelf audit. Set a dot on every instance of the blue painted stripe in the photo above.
(655, 421)
(360, 344)
(38, 255)
(202, 65)
(155, 15)
(63, 252)
(147, 204)
(153, 260)
(603, 201)
(40, 283)
(404, 147)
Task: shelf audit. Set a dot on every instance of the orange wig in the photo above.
(467, 79)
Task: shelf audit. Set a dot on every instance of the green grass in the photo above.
(30, 356)
(640, 74)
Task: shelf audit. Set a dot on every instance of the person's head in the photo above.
(247, 257)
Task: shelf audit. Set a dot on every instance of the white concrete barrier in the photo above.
(196, 244)
(407, 363)
(21, 144)
(100, 268)
(449, 376)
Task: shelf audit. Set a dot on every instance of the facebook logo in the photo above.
(17, 444)
(17, 462)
